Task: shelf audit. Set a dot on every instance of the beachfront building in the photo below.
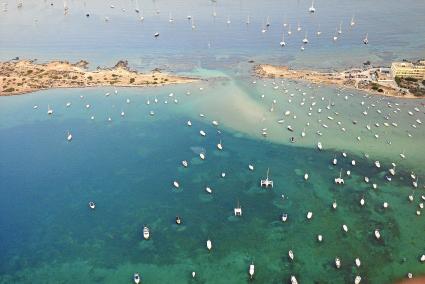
(407, 69)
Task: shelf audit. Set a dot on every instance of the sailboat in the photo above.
(312, 9)
(69, 136)
(248, 20)
(220, 146)
(318, 33)
(283, 43)
(305, 40)
(352, 22)
(49, 110)
(267, 182)
(65, 7)
(365, 40)
(170, 18)
(289, 30)
(340, 28)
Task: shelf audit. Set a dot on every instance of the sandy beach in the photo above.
(342, 79)
(25, 76)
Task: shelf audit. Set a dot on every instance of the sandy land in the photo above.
(25, 76)
(354, 79)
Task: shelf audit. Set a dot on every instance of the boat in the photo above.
(208, 190)
(178, 220)
(185, 163)
(92, 205)
(220, 146)
(291, 254)
(202, 156)
(334, 205)
(146, 233)
(266, 182)
(392, 170)
(176, 184)
(312, 9)
(238, 210)
(305, 40)
(282, 42)
(377, 234)
(209, 244)
(251, 167)
(319, 146)
(306, 176)
(251, 270)
(339, 180)
(193, 274)
(337, 262)
(156, 35)
(69, 136)
(309, 215)
(284, 217)
(362, 201)
(334, 161)
(358, 262)
(352, 22)
(415, 183)
(340, 28)
(202, 132)
(289, 127)
(319, 238)
(345, 228)
(189, 123)
(136, 278)
(377, 164)
(357, 280)
(49, 110)
(293, 280)
(365, 40)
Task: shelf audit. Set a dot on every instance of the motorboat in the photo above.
(185, 163)
(284, 217)
(306, 176)
(358, 262)
(319, 238)
(209, 244)
(189, 123)
(357, 280)
(178, 220)
(339, 180)
(156, 35)
(309, 215)
(345, 228)
(136, 278)
(251, 270)
(251, 167)
(291, 254)
(69, 136)
(92, 205)
(208, 190)
(146, 233)
(202, 132)
(312, 9)
(293, 280)
(202, 156)
(319, 146)
(220, 146)
(377, 234)
(176, 184)
(337, 262)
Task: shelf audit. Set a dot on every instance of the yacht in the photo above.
(146, 233)
(352, 22)
(238, 210)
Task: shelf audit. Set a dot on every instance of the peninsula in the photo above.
(25, 76)
(372, 80)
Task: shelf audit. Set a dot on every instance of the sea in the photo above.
(128, 145)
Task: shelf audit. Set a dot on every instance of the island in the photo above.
(25, 76)
(374, 80)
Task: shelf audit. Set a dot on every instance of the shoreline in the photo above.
(18, 77)
(332, 79)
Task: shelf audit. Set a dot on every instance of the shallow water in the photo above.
(127, 166)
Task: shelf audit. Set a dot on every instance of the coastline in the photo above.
(19, 77)
(332, 79)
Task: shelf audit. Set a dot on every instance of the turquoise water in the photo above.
(127, 165)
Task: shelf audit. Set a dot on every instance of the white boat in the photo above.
(334, 205)
(251, 167)
(345, 228)
(337, 262)
(92, 205)
(176, 184)
(208, 190)
(306, 176)
(392, 170)
(352, 22)
(220, 146)
(69, 136)
(312, 9)
(146, 233)
(202, 156)
(291, 254)
(319, 238)
(282, 42)
(423, 258)
(305, 40)
(136, 278)
(362, 201)
(202, 132)
(293, 280)
(377, 164)
(284, 217)
(68, 104)
(185, 163)
(156, 35)
(49, 110)
(357, 280)
(377, 234)
(266, 182)
(193, 274)
(290, 128)
(309, 215)
(339, 180)
(358, 262)
(189, 123)
(251, 270)
(319, 146)
(334, 161)
(415, 183)
(209, 244)
(238, 210)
